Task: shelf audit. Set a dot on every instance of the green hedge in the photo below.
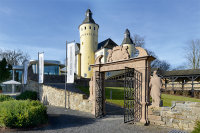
(22, 114)
(32, 95)
(197, 127)
(5, 98)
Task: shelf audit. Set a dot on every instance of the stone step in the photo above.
(154, 122)
(157, 113)
(154, 117)
(150, 112)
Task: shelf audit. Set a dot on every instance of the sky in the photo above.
(45, 25)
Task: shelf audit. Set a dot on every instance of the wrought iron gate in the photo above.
(100, 96)
(132, 95)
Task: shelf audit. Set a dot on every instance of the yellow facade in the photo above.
(88, 46)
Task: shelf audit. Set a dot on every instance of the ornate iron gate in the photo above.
(100, 97)
(132, 95)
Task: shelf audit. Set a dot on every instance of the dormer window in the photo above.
(87, 14)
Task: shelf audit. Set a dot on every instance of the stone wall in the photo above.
(107, 83)
(182, 115)
(49, 95)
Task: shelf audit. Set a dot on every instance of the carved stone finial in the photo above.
(142, 52)
(118, 53)
(98, 59)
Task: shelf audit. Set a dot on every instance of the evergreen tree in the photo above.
(4, 70)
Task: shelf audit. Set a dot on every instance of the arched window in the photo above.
(85, 28)
(94, 28)
(90, 27)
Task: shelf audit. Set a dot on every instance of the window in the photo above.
(132, 54)
(85, 75)
(94, 28)
(89, 68)
(51, 70)
(90, 27)
(108, 74)
(106, 54)
(82, 43)
(85, 28)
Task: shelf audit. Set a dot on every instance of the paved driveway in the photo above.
(70, 121)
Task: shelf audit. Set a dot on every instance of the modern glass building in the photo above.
(51, 67)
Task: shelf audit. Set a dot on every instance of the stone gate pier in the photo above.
(138, 97)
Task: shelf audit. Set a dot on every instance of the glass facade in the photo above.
(51, 70)
(18, 75)
(48, 69)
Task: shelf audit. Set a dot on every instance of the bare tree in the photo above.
(14, 57)
(138, 40)
(161, 64)
(180, 67)
(193, 54)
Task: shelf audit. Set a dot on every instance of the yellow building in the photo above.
(89, 48)
(88, 44)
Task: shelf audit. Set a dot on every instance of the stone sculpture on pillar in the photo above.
(155, 85)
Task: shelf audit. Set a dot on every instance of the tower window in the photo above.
(132, 54)
(94, 28)
(89, 68)
(85, 28)
(85, 75)
(90, 27)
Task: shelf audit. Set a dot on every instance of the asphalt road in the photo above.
(70, 121)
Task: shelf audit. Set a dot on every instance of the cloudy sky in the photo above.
(45, 25)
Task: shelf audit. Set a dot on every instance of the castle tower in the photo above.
(88, 44)
(129, 42)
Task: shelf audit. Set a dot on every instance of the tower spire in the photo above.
(127, 38)
(88, 17)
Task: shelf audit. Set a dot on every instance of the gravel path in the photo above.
(70, 121)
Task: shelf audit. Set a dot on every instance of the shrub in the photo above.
(179, 92)
(197, 127)
(172, 92)
(186, 93)
(196, 94)
(32, 95)
(5, 98)
(22, 113)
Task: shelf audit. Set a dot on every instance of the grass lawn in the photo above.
(118, 96)
(167, 99)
